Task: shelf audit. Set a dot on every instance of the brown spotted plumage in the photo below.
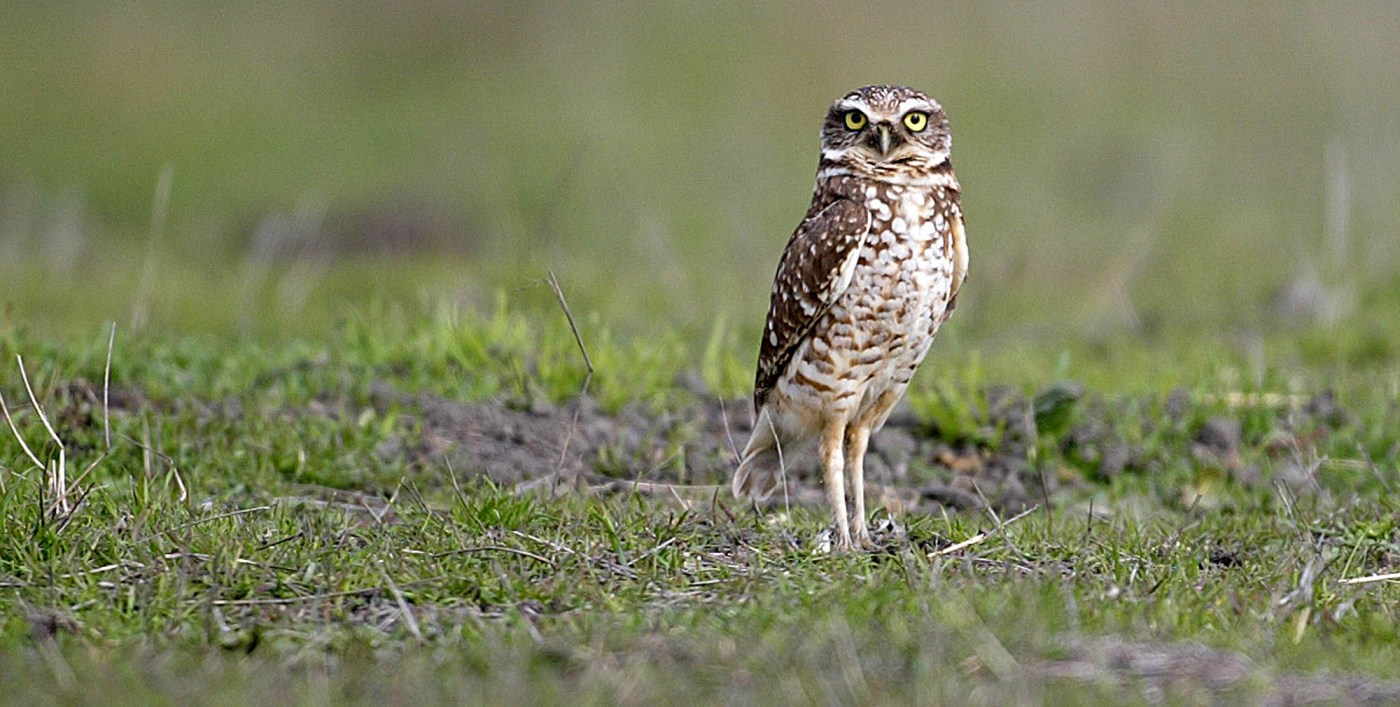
(870, 274)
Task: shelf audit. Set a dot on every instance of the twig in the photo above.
(1373, 467)
(210, 519)
(202, 557)
(160, 208)
(684, 503)
(1001, 528)
(146, 447)
(68, 517)
(782, 465)
(314, 597)
(389, 506)
(959, 546)
(58, 480)
(724, 417)
(495, 548)
(559, 293)
(103, 568)
(106, 383)
(24, 375)
(654, 487)
(452, 476)
(715, 504)
(659, 547)
(403, 605)
(19, 438)
(1018, 516)
(275, 543)
(147, 452)
(78, 481)
(418, 498)
(1045, 495)
(637, 480)
(1389, 577)
(587, 381)
(180, 482)
(1088, 522)
(557, 547)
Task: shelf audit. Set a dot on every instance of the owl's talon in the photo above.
(830, 542)
(864, 542)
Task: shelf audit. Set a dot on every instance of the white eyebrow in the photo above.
(849, 103)
(910, 103)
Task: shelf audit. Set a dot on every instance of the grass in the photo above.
(246, 535)
(323, 234)
(627, 602)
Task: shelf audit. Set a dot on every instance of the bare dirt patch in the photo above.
(690, 447)
(911, 467)
(694, 447)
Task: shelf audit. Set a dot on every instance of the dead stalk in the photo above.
(106, 385)
(160, 208)
(495, 548)
(1001, 528)
(404, 609)
(221, 516)
(1388, 577)
(56, 473)
(18, 437)
(587, 381)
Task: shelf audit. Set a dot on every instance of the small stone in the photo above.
(1220, 435)
(1115, 460)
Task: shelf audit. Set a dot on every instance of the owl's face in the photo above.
(886, 132)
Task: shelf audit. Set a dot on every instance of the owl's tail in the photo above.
(761, 467)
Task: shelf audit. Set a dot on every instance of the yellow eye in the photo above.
(855, 120)
(916, 121)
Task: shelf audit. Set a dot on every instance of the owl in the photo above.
(870, 274)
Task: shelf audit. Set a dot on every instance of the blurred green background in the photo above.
(1196, 174)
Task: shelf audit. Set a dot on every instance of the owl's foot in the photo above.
(830, 541)
(862, 540)
(884, 535)
(860, 534)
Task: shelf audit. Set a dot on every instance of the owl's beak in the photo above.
(885, 140)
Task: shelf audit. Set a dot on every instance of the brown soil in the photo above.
(577, 445)
(910, 466)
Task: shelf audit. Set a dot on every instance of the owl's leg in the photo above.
(834, 476)
(857, 439)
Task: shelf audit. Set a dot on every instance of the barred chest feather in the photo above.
(879, 330)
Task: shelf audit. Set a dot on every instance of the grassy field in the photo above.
(344, 446)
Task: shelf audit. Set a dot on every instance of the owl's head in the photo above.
(886, 132)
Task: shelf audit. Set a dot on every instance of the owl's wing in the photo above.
(815, 269)
(957, 245)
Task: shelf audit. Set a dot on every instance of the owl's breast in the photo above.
(881, 326)
(903, 279)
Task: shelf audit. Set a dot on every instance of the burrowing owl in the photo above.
(866, 280)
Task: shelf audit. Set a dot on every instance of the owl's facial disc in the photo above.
(886, 132)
